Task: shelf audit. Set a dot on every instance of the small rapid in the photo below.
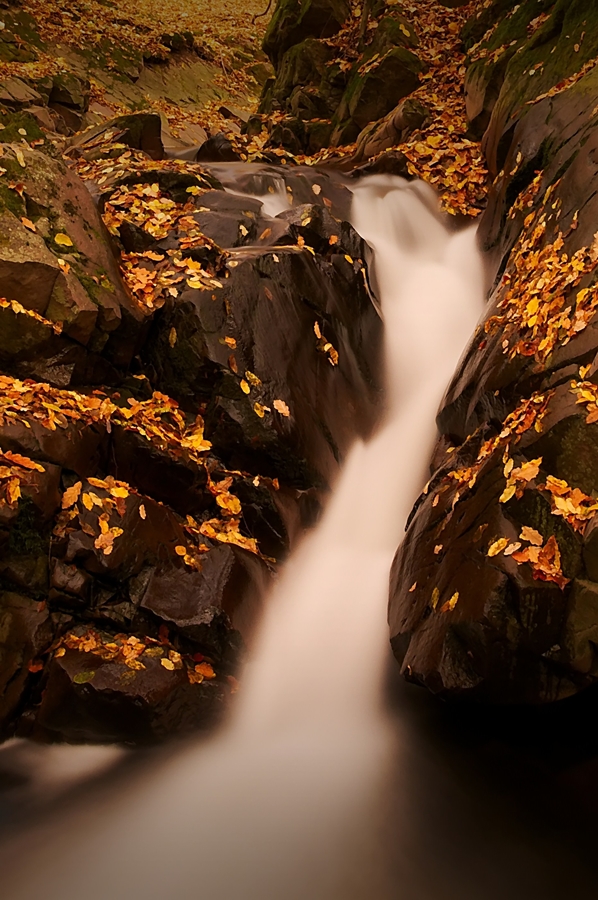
(287, 800)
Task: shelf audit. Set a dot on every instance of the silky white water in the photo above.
(285, 803)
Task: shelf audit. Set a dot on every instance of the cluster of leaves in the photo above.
(15, 471)
(440, 153)
(133, 652)
(157, 420)
(544, 558)
(111, 500)
(528, 414)
(538, 313)
(573, 505)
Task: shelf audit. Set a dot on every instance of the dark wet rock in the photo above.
(266, 289)
(278, 446)
(26, 632)
(293, 21)
(89, 699)
(512, 634)
(218, 148)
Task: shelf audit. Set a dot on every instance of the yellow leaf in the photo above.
(13, 489)
(244, 386)
(259, 410)
(317, 331)
(142, 512)
(121, 492)
(281, 407)
(230, 342)
(167, 664)
(206, 670)
(172, 337)
(434, 140)
(253, 379)
(180, 550)
(63, 240)
(495, 548)
(435, 597)
(508, 492)
(229, 502)
(87, 501)
(71, 495)
(450, 604)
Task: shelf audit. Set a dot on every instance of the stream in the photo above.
(320, 786)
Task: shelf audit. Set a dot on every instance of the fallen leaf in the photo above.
(281, 407)
(142, 512)
(531, 535)
(450, 604)
(499, 545)
(63, 240)
(71, 495)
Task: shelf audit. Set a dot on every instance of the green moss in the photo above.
(26, 537)
(12, 122)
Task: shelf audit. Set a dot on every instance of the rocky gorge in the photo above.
(185, 366)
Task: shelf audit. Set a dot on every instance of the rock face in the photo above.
(326, 102)
(182, 372)
(494, 589)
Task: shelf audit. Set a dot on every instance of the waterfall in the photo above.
(286, 802)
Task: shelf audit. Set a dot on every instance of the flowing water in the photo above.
(286, 802)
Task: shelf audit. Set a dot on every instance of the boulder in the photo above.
(302, 67)
(395, 128)
(295, 20)
(140, 131)
(87, 698)
(26, 631)
(372, 94)
(56, 260)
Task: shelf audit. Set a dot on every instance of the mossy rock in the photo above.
(303, 65)
(295, 20)
(15, 123)
(372, 95)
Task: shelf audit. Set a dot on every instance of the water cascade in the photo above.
(285, 802)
